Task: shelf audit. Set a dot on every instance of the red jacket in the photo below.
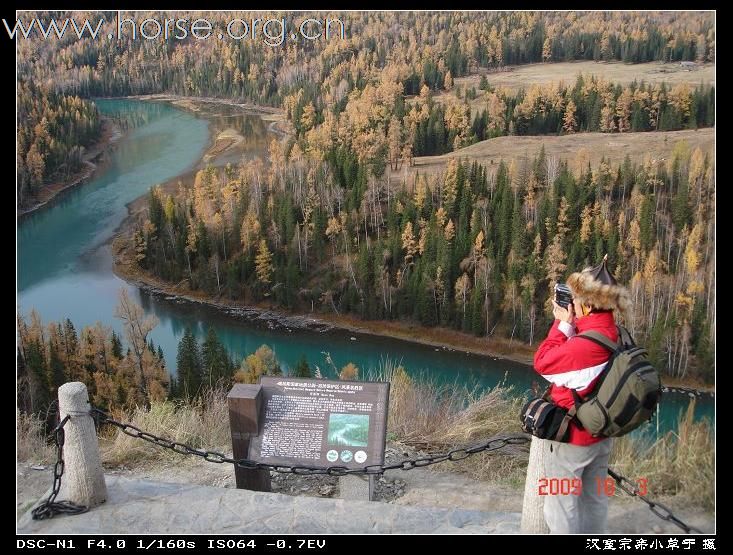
(575, 363)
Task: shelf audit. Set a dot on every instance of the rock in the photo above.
(326, 490)
(460, 518)
(38, 467)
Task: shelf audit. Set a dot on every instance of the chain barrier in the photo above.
(492, 444)
(50, 506)
(455, 455)
(657, 508)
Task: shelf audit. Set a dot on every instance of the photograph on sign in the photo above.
(348, 429)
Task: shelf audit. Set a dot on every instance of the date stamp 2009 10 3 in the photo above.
(574, 486)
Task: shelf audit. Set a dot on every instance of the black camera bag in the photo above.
(546, 420)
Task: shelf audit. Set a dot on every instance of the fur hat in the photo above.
(596, 287)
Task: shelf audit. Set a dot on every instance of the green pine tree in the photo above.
(189, 366)
(56, 372)
(39, 386)
(116, 346)
(217, 366)
(302, 369)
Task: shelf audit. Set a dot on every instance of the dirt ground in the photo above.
(418, 487)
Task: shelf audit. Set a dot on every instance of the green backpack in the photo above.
(627, 393)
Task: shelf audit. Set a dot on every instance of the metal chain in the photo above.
(50, 506)
(458, 454)
(656, 507)
(216, 457)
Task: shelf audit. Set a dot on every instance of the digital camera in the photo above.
(563, 296)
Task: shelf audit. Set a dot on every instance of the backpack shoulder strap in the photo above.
(624, 337)
(600, 339)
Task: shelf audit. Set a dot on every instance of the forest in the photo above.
(475, 248)
(122, 372)
(55, 353)
(426, 47)
(55, 128)
(320, 83)
(426, 127)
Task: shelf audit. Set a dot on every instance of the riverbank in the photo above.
(278, 123)
(125, 267)
(444, 339)
(48, 193)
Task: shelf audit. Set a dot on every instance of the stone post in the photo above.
(83, 480)
(533, 518)
(245, 401)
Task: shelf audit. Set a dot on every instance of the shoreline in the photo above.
(254, 109)
(124, 266)
(278, 318)
(51, 192)
(127, 270)
(277, 122)
(324, 322)
(274, 317)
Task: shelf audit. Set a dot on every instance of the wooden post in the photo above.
(245, 401)
(533, 517)
(83, 479)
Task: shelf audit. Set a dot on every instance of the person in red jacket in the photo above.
(573, 366)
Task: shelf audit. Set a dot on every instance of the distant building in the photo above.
(688, 65)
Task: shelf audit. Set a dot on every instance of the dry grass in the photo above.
(432, 418)
(679, 463)
(579, 148)
(201, 424)
(518, 77)
(422, 412)
(514, 78)
(591, 146)
(31, 444)
(437, 418)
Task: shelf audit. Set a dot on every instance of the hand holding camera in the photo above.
(563, 296)
(562, 304)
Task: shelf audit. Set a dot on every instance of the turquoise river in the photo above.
(65, 265)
